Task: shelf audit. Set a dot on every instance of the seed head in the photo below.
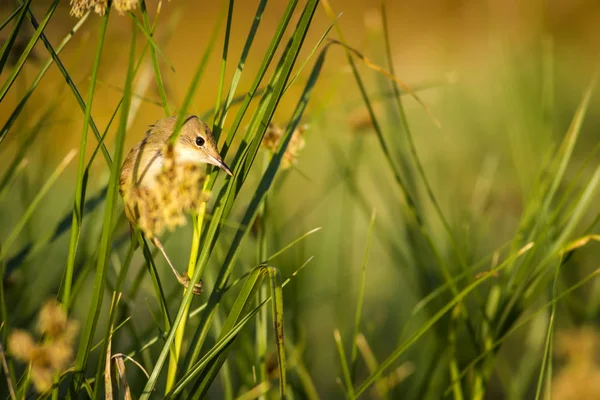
(178, 190)
(273, 137)
(54, 353)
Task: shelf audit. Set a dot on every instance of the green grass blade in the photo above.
(310, 55)
(196, 79)
(70, 82)
(11, 17)
(291, 244)
(344, 363)
(220, 121)
(157, 74)
(19, 65)
(219, 96)
(107, 227)
(145, 30)
(17, 110)
(277, 311)
(239, 310)
(546, 369)
(568, 144)
(7, 47)
(361, 296)
(80, 185)
(523, 321)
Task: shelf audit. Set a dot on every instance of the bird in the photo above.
(148, 177)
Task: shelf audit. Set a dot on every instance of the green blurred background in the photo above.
(503, 77)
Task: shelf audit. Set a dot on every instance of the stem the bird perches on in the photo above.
(195, 248)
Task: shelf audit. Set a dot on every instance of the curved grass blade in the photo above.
(291, 244)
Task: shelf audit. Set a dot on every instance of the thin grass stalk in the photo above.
(198, 221)
(349, 386)
(193, 86)
(7, 46)
(106, 352)
(523, 321)
(21, 105)
(29, 138)
(70, 82)
(231, 99)
(107, 227)
(11, 16)
(360, 300)
(411, 143)
(19, 65)
(157, 74)
(546, 367)
(80, 188)
(224, 61)
(412, 206)
(283, 23)
(262, 318)
(276, 292)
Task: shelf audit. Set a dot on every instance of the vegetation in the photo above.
(379, 238)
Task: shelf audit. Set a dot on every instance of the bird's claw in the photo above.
(185, 281)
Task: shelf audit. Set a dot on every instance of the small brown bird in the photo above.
(159, 182)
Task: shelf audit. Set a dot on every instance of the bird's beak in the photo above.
(221, 164)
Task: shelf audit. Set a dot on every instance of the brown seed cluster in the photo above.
(80, 7)
(178, 190)
(273, 137)
(54, 353)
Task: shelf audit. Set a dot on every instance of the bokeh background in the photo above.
(504, 77)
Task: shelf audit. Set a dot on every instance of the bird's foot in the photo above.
(184, 280)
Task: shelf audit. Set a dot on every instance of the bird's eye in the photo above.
(199, 141)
